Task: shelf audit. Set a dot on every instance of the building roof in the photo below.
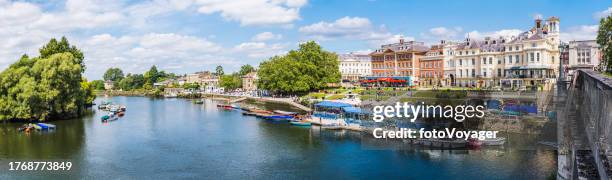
(410, 46)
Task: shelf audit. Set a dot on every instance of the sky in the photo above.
(186, 36)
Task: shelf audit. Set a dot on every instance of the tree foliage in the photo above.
(306, 69)
(113, 74)
(45, 87)
(131, 82)
(604, 39)
(54, 47)
(219, 71)
(246, 69)
(97, 84)
(230, 82)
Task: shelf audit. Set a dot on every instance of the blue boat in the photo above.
(45, 126)
(285, 117)
(278, 117)
(299, 123)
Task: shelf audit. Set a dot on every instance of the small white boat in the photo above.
(284, 112)
(494, 141)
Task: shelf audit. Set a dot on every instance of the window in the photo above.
(490, 60)
(484, 60)
(499, 73)
(533, 45)
(498, 61)
(517, 59)
(473, 61)
(460, 62)
(484, 72)
(516, 48)
(510, 59)
(473, 73)
(553, 59)
(531, 57)
(538, 57)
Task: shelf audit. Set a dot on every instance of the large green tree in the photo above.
(230, 82)
(604, 39)
(306, 69)
(219, 71)
(54, 47)
(245, 69)
(132, 81)
(151, 77)
(97, 84)
(49, 86)
(113, 74)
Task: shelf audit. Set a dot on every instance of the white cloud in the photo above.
(136, 54)
(538, 16)
(493, 34)
(261, 49)
(254, 12)
(266, 36)
(603, 14)
(26, 26)
(441, 33)
(349, 28)
(584, 32)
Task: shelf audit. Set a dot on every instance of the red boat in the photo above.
(224, 106)
(474, 143)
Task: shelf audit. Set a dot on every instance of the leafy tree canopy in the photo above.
(219, 71)
(113, 74)
(230, 82)
(604, 39)
(306, 69)
(245, 69)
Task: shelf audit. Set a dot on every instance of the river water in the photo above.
(174, 138)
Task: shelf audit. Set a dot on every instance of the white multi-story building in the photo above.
(529, 59)
(352, 66)
(584, 55)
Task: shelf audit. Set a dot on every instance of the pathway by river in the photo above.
(174, 138)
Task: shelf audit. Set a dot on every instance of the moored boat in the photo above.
(494, 141)
(279, 117)
(248, 113)
(284, 112)
(300, 123)
(474, 143)
(45, 126)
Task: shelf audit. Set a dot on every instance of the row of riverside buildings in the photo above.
(528, 60)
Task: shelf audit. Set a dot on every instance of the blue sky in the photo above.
(184, 36)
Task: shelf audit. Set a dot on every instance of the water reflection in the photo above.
(174, 138)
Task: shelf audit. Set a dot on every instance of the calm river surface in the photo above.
(174, 138)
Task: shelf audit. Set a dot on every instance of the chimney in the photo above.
(401, 39)
(538, 23)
